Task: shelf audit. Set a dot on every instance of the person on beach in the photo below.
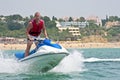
(33, 31)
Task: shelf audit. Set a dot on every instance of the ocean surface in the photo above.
(81, 64)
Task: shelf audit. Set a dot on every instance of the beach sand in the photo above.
(66, 44)
(14, 46)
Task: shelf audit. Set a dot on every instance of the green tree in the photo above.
(61, 20)
(3, 28)
(65, 34)
(82, 19)
(54, 18)
(92, 29)
(46, 18)
(113, 18)
(31, 16)
(50, 24)
(26, 19)
(104, 22)
(70, 19)
(14, 25)
(114, 31)
(53, 33)
(91, 21)
(13, 17)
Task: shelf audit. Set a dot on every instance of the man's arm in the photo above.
(44, 31)
(29, 27)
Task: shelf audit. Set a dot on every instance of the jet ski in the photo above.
(44, 57)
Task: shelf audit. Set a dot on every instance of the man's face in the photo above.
(37, 16)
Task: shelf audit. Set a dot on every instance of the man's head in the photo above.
(37, 16)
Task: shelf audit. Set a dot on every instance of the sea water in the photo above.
(81, 64)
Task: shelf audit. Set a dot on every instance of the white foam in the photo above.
(71, 63)
(100, 60)
(1, 54)
(7, 66)
(10, 65)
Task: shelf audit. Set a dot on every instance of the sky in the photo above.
(61, 8)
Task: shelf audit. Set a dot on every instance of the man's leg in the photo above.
(29, 44)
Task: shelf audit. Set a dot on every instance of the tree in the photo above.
(82, 19)
(65, 34)
(53, 33)
(70, 19)
(14, 25)
(104, 22)
(31, 16)
(3, 27)
(61, 20)
(50, 24)
(113, 18)
(14, 17)
(92, 29)
(46, 18)
(26, 19)
(17, 17)
(54, 18)
(114, 31)
(91, 21)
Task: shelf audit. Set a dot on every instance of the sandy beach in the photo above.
(66, 44)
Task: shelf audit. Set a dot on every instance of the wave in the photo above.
(1, 54)
(101, 60)
(9, 64)
(71, 63)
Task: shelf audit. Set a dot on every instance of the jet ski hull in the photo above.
(44, 62)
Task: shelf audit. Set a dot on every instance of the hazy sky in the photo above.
(61, 8)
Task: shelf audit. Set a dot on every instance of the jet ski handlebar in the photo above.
(39, 40)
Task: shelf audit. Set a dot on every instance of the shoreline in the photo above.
(91, 45)
(66, 44)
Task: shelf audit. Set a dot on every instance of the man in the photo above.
(34, 29)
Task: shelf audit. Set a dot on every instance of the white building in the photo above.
(73, 30)
(75, 24)
(3, 19)
(67, 25)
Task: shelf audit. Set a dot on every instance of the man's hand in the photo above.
(30, 38)
(46, 37)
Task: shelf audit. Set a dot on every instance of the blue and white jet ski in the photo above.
(45, 56)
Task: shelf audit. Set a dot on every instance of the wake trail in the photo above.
(101, 60)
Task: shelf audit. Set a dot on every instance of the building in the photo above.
(8, 40)
(73, 30)
(2, 19)
(112, 24)
(96, 19)
(73, 23)
(12, 40)
(69, 25)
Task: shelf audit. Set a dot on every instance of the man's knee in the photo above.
(30, 42)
